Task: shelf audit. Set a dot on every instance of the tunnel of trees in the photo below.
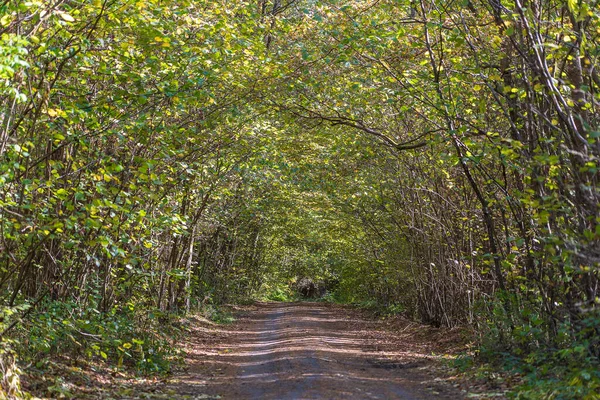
(435, 156)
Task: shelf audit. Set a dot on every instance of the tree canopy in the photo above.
(436, 156)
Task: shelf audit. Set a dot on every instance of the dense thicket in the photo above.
(437, 157)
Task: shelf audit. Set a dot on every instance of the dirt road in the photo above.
(306, 351)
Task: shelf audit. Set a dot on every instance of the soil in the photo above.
(311, 351)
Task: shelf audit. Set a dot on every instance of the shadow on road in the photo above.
(305, 351)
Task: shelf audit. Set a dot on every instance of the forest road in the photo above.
(306, 350)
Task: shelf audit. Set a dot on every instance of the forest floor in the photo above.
(304, 350)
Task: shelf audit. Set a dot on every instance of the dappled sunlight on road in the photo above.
(305, 351)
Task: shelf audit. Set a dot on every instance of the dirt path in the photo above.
(306, 351)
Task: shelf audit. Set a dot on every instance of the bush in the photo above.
(121, 337)
(277, 292)
(560, 365)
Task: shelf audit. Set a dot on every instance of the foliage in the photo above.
(437, 158)
(549, 368)
(120, 337)
(218, 315)
(279, 292)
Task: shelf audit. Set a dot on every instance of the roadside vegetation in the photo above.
(437, 159)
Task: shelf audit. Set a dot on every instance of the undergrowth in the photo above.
(61, 343)
(381, 310)
(217, 314)
(277, 292)
(123, 337)
(60, 335)
(542, 367)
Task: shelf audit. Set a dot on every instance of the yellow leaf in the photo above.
(66, 16)
(6, 20)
